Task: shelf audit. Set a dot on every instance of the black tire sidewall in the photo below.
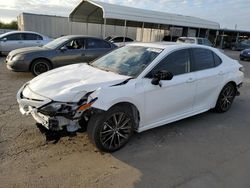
(218, 104)
(96, 123)
(36, 62)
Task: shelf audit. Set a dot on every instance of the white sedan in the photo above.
(134, 88)
(20, 39)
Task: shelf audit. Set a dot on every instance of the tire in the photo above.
(242, 59)
(40, 66)
(226, 98)
(107, 135)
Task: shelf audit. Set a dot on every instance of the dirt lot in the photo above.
(205, 151)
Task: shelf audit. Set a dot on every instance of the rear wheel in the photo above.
(226, 98)
(40, 66)
(113, 129)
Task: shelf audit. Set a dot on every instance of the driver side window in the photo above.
(177, 63)
(75, 44)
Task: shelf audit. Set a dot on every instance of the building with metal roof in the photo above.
(89, 11)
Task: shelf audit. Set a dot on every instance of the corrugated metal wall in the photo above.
(55, 26)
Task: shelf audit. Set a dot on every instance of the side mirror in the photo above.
(63, 49)
(161, 75)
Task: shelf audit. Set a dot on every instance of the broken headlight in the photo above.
(55, 109)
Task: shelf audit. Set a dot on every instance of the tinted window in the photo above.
(203, 58)
(75, 44)
(30, 36)
(217, 60)
(117, 39)
(97, 43)
(14, 37)
(176, 63)
(128, 39)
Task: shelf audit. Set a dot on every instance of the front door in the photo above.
(12, 42)
(70, 53)
(173, 98)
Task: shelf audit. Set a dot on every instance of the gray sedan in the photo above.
(62, 51)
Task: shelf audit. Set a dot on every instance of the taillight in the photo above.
(242, 69)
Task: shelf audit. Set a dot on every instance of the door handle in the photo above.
(190, 80)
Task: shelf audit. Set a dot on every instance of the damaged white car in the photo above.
(134, 88)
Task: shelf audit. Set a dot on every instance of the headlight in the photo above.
(18, 57)
(54, 109)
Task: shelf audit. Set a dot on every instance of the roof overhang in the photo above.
(96, 12)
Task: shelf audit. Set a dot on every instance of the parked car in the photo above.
(241, 45)
(245, 54)
(134, 88)
(20, 39)
(195, 40)
(119, 41)
(62, 51)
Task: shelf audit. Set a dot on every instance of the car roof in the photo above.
(80, 36)
(16, 32)
(169, 45)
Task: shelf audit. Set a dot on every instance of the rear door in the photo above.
(13, 41)
(95, 48)
(31, 39)
(209, 77)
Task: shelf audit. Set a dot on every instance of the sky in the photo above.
(226, 12)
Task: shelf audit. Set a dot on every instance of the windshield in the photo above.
(128, 60)
(56, 43)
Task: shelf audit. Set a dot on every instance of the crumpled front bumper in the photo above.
(29, 105)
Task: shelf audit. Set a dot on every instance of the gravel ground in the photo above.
(205, 151)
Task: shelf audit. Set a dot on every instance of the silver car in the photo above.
(59, 52)
(20, 39)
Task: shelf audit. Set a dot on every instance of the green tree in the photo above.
(11, 25)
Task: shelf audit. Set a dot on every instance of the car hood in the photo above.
(27, 50)
(71, 83)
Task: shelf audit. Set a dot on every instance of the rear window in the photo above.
(31, 36)
(97, 43)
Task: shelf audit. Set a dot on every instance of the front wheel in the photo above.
(40, 66)
(226, 98)
(113, 129)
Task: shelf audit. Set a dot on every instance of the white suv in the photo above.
(133, 88)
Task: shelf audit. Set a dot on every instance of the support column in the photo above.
(142, 31)
(87, 28)
(150, 38)
(124, 31)
(158, 33)
(237, 38)
(104, 29)
(171, 33)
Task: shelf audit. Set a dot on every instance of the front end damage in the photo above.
(55, 115)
